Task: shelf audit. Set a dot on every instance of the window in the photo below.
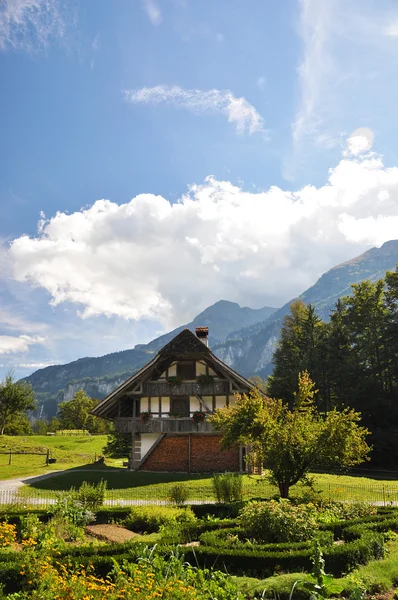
(186, 370)
(179, 406)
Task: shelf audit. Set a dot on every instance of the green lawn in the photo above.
(70, 451)
(125, 485)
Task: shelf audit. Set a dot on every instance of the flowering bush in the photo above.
(281, 521)
(174, 380)
(198, 416)
(145, 416)
(151, 578)
(203, 378)
(8, 534)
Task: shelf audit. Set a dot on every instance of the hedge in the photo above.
(254, 562)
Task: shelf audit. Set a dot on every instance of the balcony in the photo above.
(162, 425)
(187, 388)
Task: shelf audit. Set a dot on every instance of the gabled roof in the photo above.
(184, 343)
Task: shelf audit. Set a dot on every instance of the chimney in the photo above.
(203, 334)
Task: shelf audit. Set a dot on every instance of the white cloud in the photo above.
(11, 344)
(346, 60)
(360, 142)
(150, 258)
(153, 11)
(237, 110)
(28, 24)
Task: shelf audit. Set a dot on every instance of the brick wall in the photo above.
(172, 454)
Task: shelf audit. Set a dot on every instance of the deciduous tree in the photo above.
(291, 442)
(16, 397)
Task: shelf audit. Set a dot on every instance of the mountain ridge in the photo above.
(248, 349)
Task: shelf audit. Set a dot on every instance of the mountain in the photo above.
(249, 350)
(98, 376)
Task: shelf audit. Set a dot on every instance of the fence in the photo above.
(383, 494)
(11, 454)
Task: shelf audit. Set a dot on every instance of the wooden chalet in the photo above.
(164, 407)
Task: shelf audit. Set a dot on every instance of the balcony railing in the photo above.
(186, 388)
(162, 425)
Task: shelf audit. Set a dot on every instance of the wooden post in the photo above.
(132, 462)
(10, 459)
(48, 457)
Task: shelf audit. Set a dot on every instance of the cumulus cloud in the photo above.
(153, 11)
(28, 24)
(10, 344)
(151, 258)
(237, 110)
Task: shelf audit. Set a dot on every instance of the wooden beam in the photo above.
(204, 403)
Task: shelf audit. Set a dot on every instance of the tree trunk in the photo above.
(284, 489)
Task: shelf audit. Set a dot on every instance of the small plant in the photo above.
(174, 380)
(228, 487)
(198, 417)
(321, 585)
(91, 495)
(179, 494)
(145, 416)
(30, 527)
(203, 378)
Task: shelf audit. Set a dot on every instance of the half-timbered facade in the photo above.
(165, 405)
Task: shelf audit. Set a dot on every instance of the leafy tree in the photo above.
(118, 445)
(40, 427)
(261, 384)
(76, 414)
(291, 442)
(16, 397)
(18, 425)
(54, 424)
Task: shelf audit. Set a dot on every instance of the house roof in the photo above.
(184, 343)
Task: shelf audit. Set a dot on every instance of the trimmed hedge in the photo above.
(254, 562)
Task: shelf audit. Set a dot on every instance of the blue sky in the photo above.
(159, 155)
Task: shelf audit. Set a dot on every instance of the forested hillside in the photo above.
(352, 358)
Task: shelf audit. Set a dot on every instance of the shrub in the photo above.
(228, 487)
(150, 518)
(278, 521)
(91, 495)
(179, 494)
(30, 526)
(69, 508)
(8, 534)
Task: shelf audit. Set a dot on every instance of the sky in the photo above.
(157, 156)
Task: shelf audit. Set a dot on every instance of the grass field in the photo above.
(70, 451)
(125, 485)
(76, 455)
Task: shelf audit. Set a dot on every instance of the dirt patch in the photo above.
(110, 533)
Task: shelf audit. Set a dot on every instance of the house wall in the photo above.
(147, 441)
(192, 453)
